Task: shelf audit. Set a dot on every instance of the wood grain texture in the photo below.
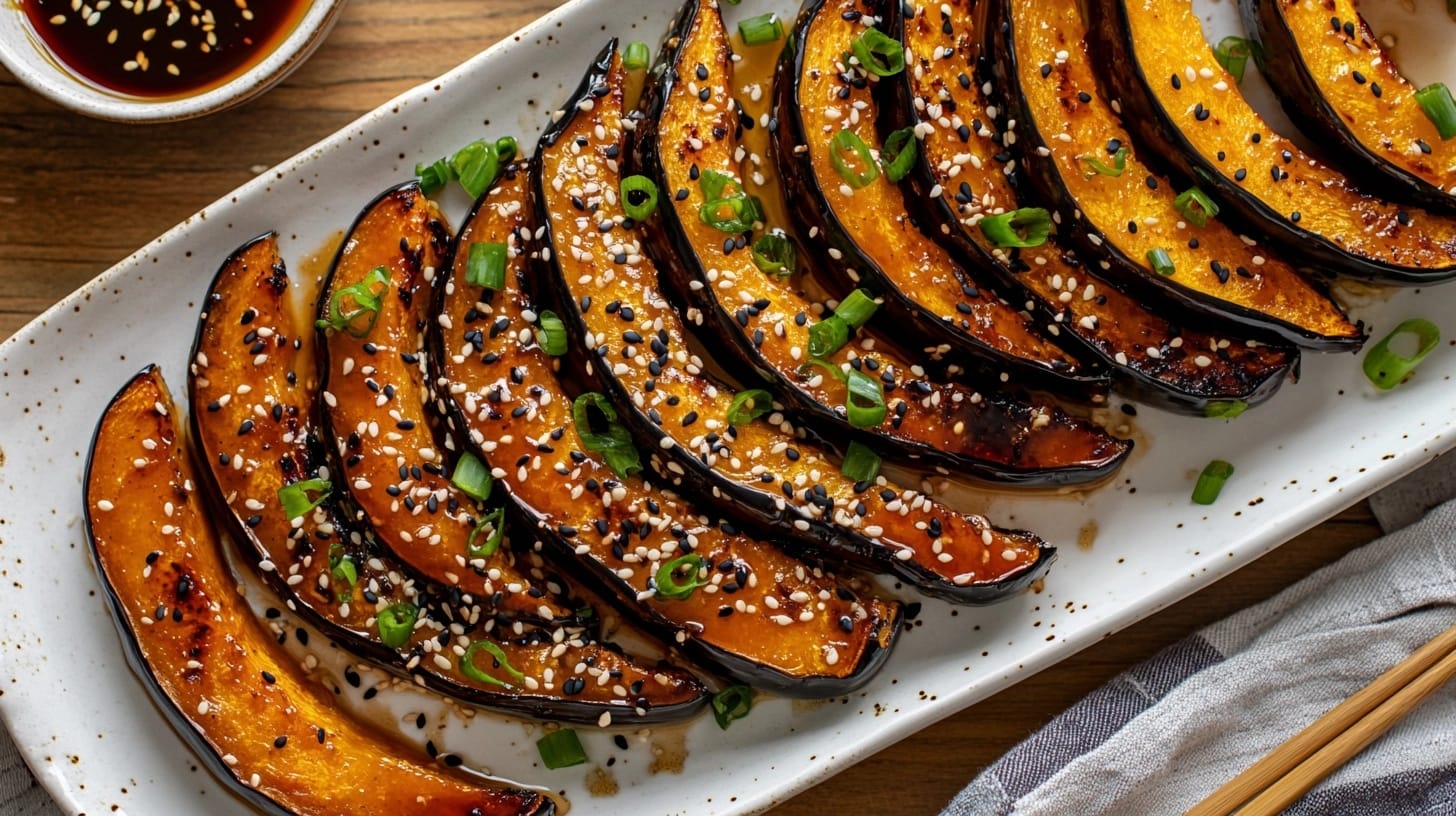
(79, 195)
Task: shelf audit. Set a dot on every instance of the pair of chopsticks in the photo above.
(1291, 770)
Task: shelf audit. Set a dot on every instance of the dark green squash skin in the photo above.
(1152, 381)
(756, 512)
(1000, 417)
(1109, 38)
(1303, 100)
(602, 580)
(814, 217)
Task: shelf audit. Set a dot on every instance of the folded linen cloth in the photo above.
(1162, 736)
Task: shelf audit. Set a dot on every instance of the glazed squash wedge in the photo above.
(856, 227)
(625, 342)
(1344, 91)
(1184, 109)
(253, 363)
(960, 177)
(620, 534)
(272, 734)
(763, 325)
(1071, 149)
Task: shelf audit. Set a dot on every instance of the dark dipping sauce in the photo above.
(161, 48)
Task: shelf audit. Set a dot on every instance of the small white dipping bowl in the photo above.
(26, 56)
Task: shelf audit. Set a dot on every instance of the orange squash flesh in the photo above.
(1158, 360)
(273, 388)
(1125, 217)
(964, 426)
(622, 530)
(1346, 92)
(274, 735)
(678, 415)
(864, 235)
(1181, 104)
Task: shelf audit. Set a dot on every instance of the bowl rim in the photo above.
(38, 69)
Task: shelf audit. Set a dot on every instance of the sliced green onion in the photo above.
(866, 403)
(856, 308)
(1161, 261)
(860, 463)
(495, 521)
(1435, 99)
(434, 175)
(636, 56)
(597, 426)
(396, 622)
(749, 405)
(354, 309)
(732, 703)
(824, 365)
(485, 266)
(828, 336)
(551, 334)
(1210, 481)
(852, 160)
(715, 184)
(498, 655)
(761, 30)
(1096, 165)
(898, 154)
(1195, 206)
(476, 166)
(300, 497)
(1026, 227)
(561, 748)
(1233, 54)
(1225, 409)
(472, 477)
(506, 149)
(1385, 368)
(639, 197)
(343, 570)
(669, 586)
(774, 252)
(879, 54)
(734, 214)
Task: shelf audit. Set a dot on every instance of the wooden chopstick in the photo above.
(1337, 736)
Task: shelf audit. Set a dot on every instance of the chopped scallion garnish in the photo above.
(715, 184)
(1225, 409)
(1018, 229)
(856, 308)
(1435, 100)
(748, 406)
(860, 463)
(774, 253)
(434, 175)
(600, 432)
(1195, 206)
(669, 585)
(898, 154)
(561, 748)
(828, 336)
(551, 334)
(879, 54)
(852, 160)
(396, 622)
(761, 30)
(485, 266)
(476, 166)
(344, 572)
(469, 668)
(1385, 368)
(639, 197)
(1100, 168)
(472, 477)
(300, 497)
(505, 149)
(495, 522)
(732, 703)
(1233, 54)
(354, 309)
(733, 214)
(1211, 481)
(865, 406)
(636, 56)
(1161, 261)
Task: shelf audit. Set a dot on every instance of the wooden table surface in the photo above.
(77, 195)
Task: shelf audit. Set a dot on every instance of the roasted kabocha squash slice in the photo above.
(624, 341)
(854, 218)
(1185, 110)
(1346, 93)
(960, 177)
(1135, 224)
(733, 603)
(271, 733)
(253, 367)
(764, 325)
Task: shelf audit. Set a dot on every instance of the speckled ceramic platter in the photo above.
(1128, 549)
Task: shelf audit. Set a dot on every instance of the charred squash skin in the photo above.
(1311, 54)
(593, 272)
(248, 303)
(270, 733)
(864, 237)
(1307, 210)
(1062, 122)
(1188, 371)
(955, 427)
(613, 532)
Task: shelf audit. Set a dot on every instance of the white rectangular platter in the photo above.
(98, 745)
